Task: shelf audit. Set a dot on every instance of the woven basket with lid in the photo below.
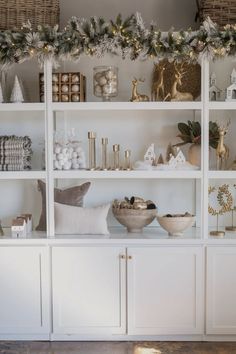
(13, 13)
(222, 12)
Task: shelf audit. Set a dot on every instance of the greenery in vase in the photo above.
(190, 133)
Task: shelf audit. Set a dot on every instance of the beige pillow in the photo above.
(70, 196)
(81, 221)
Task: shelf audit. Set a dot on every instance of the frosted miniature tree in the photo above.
(1, 94)
(17, 94)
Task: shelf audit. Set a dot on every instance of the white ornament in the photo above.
(150, 156)
(102, 81)
(16, 94)
(214, 91)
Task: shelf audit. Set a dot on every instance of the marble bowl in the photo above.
(176, 225)
(134, 220)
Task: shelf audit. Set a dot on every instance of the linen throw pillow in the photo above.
(81, 221)
(70, 196)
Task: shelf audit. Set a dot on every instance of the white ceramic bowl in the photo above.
(176, 225)
(134, 220)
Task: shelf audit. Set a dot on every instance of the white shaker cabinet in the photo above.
(165, 290)
(221, 290)
(88, 290)
(24, 296)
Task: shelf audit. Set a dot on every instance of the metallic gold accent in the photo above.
(116, 157)
(122, 256)
(104, 166)
(137, 97)
(217, 233)
(232, 227)
(92, 150)
(222, 150)
(130, 257)
(128, 166)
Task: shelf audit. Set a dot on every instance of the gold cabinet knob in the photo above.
(122, 256)
(130, 257)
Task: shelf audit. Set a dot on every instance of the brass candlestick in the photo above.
(232, 227)
(116, 157)
(104, 154)
(92, 150)
(128, 166)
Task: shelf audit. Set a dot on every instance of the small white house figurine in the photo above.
(18, 228)
(177, 159)
(28, 219)
(150, 156)
(214, 91)
(17, 94)
(231, 90)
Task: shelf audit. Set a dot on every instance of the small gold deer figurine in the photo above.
(222, 150)
(158, 84)
(176, 95)
(137, 97)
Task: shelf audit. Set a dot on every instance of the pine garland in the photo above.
(129, 38)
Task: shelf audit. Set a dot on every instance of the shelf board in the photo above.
(221, 174)
(22, 175)
(16, 107)
(126, 106)
(223, 105)
(84, 174)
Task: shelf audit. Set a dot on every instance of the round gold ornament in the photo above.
(75, 98)
(65, 88)
(65, 98)
(75, 79)
(75, 88)
(55, 88)
(65, 78)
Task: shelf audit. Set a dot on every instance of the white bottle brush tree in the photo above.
(17, 94)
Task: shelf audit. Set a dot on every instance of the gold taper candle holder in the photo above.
(217, 232)
(104, 154)
(92, 150)
(116, 157)
(128, 166)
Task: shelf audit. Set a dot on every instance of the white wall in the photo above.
(167, 13)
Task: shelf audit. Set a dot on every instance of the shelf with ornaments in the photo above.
(151, 150)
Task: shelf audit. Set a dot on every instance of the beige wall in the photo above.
(167, 13)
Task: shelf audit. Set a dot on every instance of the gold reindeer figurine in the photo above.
(222, 150)
(137, 97)
(158, 84)
(176, 95)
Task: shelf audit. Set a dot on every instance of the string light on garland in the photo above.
(96, 36)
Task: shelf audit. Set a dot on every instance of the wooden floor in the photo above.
(116, 348)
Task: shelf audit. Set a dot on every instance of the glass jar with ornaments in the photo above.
(68, 151)
(105, 81)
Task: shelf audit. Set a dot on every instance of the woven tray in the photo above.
(222, 12)
(13, 13)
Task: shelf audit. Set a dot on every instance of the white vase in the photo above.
(194, 154)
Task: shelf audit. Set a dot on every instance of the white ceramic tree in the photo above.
(17, 94)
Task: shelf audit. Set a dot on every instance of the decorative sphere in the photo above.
(75, 88)
(75, 78)
(65, 88)
(102, 81)
(54, 77)
(55, 88)
(65, 98)
(65, 78)
(75, 98)
(55, 98)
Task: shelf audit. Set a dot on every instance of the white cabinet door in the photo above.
(88, 290)
(24, 299)
(165, 292)
(221, 290)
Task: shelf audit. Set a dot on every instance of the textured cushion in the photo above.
(81, 221)
(70, 196)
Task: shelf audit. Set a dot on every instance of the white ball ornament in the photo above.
(75, 88)
(60, 156)
(102, 81)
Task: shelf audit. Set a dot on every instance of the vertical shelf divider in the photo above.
(205, 142)
(49, 148)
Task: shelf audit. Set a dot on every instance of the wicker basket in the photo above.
(222, 12)
(13, 13)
